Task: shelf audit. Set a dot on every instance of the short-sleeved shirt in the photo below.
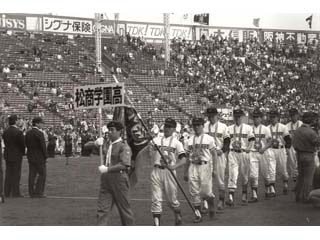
(241, 133)
(170, 147)
(120, 153)
(219, 132)
(293, 126)
(305, 139)
(261, 134)
(204, 144)
(279, 131)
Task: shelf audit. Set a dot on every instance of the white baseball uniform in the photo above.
(292, 158)
(200, 170)
(239, 160)
(219, 132)
(258, 160)
(278, 132)
(161, 177)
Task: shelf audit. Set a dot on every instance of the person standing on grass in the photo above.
(37, 156)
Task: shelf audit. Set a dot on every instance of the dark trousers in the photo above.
(37, 170)
(51, 150)
(114, 189)
(12, 178)
(306, 168)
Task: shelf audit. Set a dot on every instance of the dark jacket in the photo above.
(14, 144)
(36, 146)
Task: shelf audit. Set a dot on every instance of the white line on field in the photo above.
(95, 198)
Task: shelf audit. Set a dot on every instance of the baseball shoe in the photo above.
(178, 219)
(156, 221)
(197, 219)
(272, 195)
(220, 205)
(230, 203)
(253, 200)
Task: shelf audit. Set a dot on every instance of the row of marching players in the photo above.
(245, 150)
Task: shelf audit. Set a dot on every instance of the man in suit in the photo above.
(14, 150)
(37, 156)
(1, 175)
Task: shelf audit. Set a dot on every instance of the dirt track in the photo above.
(72, 192)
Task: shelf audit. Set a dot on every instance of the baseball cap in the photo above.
(256, 113)
(171, 123)
(197, 121)
(36, 120)
(293, 111)
(212, 111)
(115, 124)
(238, 112)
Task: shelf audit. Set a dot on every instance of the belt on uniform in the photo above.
(200, 163)
(236, 150)
(159, 166)
(278, 147)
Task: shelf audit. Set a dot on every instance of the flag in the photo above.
(201, 18)
(309, 20)
(256, 22)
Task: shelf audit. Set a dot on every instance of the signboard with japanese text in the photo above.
(99, 96)
(67, 25)
(12, 21)
(157, 31)
(290, 37)
(107, 28)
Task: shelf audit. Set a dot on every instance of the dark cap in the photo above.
(256, 113)
(12, 119)
(171, 123)
(238, 112)
(293, 111)
(36, 120)
(115, 124)
(197, 121)
(211, 111)
(309, 117)
(273, 113)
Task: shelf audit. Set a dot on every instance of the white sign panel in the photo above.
(99, 96)
(67, 25)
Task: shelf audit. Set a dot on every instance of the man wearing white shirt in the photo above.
(201, 151)
(293, 125)
(241, 143)
(161, 178)
(114, 187)
(260, 155)
(219, 132)
(280, 145)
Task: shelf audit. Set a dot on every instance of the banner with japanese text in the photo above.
(12, 21)
(290, 37)
(67, 25)
(99, 96)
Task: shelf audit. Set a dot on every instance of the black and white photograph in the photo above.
(168, 117)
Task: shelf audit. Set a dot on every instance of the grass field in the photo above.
(72, 196)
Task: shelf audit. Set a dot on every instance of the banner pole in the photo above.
(100, 135)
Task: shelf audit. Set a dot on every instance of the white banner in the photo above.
(101, 95)
(157, 31)
(67, 25)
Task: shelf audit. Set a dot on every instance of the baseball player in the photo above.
(161, 178)
(280, 145)
(260, 155)
(219, 132)
(241, 143)
(201, 150)
(293, 125)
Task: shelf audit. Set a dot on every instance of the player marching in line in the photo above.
(242, 140)
(201, 150)
(293, 125)
(261, 155)
(219, 132)
(161, 178)
(280, 145)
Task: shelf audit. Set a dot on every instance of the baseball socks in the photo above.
(254, 197)
(221, 200)
(198, 214)
(156, 219)
(285, 187)
(211, 207)
(230, 201)
(178, 217)
(272, 190)
(244, 198)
